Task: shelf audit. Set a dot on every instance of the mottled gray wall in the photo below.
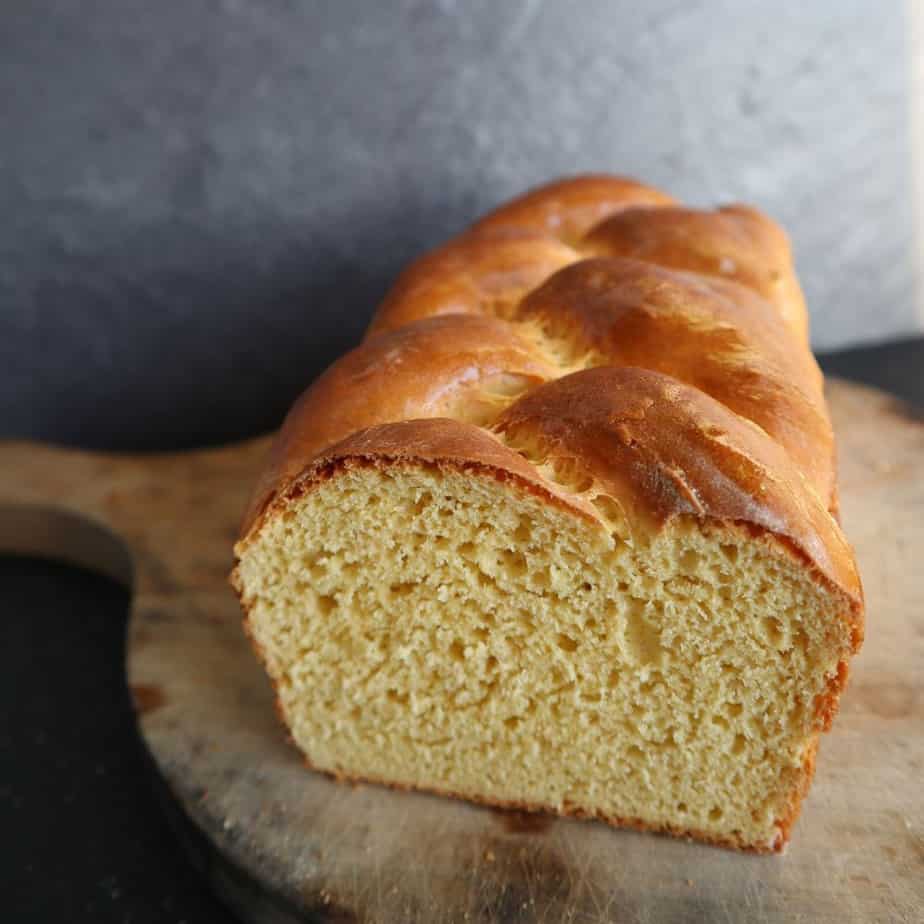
(203, 200)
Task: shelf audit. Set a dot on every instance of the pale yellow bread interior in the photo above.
(443, 629)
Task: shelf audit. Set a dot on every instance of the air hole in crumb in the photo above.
(513, 562)
(467, 550)
(681, 807)
(401, 590)
(523, 533)
(326, 605)
(395, 697)
(689, 561)
(566, 643)
(739, 744)
(317, 570)
(731, 553)
(715, 814)
(491, 663)
(734, 709)
(773, 631)
(423, 502)
(457, 650)
(482, 633)
(302, 589)
(512, 722)
(642, 639)
(485, 579)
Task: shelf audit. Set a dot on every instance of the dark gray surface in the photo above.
(203, 200)
(84, 838)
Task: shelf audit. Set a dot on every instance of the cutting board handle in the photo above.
(47, 510)
(142, 519)
(52, 532)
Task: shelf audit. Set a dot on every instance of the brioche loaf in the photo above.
(561, 533)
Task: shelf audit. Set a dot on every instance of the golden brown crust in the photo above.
(595, 324)
(439, 442)
(664, 449)
(472, 274)
(715, 335)
(442, 366)
(735, 243)
(568, 208)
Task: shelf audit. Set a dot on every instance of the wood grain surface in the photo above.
(283, 843)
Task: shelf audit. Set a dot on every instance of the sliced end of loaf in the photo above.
(449, 629)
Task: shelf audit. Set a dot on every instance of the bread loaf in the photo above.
(561, 534)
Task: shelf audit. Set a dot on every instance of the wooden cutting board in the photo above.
(282, 843)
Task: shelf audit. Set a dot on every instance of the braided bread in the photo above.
(562, 532)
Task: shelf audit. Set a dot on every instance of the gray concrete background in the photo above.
(202, 201)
